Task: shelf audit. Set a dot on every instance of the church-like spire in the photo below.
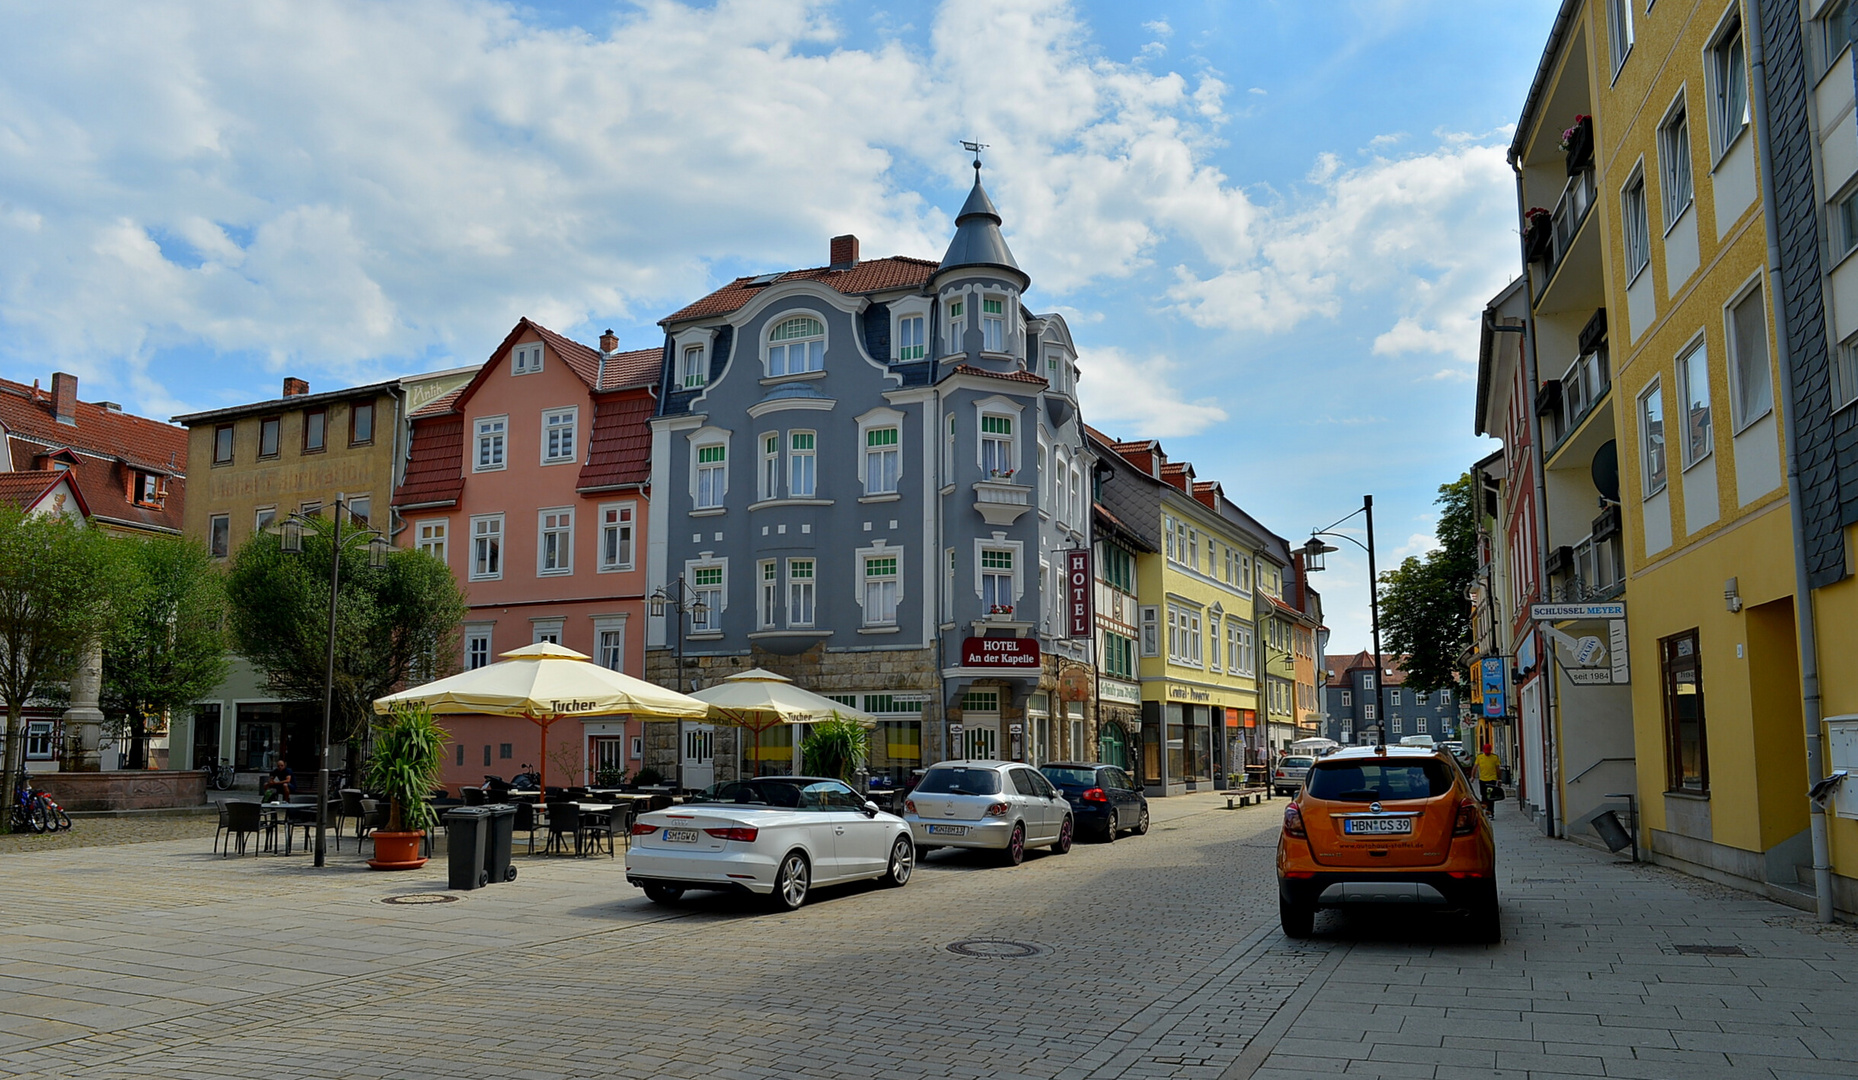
(977, 239)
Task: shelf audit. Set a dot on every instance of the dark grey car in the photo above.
(1105, 800)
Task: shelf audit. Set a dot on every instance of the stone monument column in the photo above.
(83, 721)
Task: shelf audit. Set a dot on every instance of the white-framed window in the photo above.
(910, 340)
(802, 592)
(957, 323)
(1445, 697)
(1835, 26)
(998, 578)
(1367, 682)
(554, 541)
(1693, 387)
(881, 586)
(1674, 162)
(219, 535)
(1651, 438)
(1045, 479)
(708, 581)
(527, 359)
(1845, 230)
(768, 475)
(1077, 496)
(693, 370)
(1151, 631)
(610, 648)
(1241, 649)
(492, 432)
(1348, 699)
(883, 459)
(997, 457)
(1419, 725)
(1751, 379)
(616, 537)
(1845, 372)
(948, 584)
(1184, 645)
(1397, 725)
(1619, 31)
(948, 451)
(767, 593)
(796, 345)
(802, 464)
(429, 537)
(558, 435)
(1393, 697)
(993, 324)
(1214, 638)
(264, 518)
(545, 630)
(712, 474)
(1634, 224)
(360, 509)
(1728, 71)
(486, 547)
(477, 647)
(1061, 503)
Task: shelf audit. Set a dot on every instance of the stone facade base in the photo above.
(125, 790)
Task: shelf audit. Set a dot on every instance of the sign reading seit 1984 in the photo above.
(1615, 610)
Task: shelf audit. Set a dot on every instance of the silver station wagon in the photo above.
(1002, 806)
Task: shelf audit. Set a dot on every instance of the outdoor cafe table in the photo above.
(280, 813)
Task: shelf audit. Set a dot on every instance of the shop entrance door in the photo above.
(980, 736)
(698, 762)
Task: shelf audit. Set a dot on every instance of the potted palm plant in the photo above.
(409, 752)
(835, 747)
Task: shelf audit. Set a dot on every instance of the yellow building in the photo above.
(1658, 335)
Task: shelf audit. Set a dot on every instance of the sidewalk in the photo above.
(1607, 968)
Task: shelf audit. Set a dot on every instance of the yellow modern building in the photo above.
(1671, 285)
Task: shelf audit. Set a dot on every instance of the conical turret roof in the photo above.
(977, 239)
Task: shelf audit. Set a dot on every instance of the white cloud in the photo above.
(1259, 90)
(1140, 397)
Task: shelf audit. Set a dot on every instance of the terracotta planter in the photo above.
(396, 850)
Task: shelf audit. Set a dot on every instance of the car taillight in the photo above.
(639, 828)
(1467, 819)
(1280, 774)
(1293, 822)
(746, 835)
(909, 806)
(998, 809)
(1094, 795)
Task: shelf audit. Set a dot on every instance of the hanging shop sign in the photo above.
(1123, 693)
(1493, 673)
(1000, 652)
(1078, 590)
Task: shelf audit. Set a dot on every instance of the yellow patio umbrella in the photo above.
(543, 683)
(760, 700)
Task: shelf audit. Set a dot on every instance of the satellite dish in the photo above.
(1606, 470)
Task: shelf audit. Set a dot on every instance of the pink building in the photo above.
(530, 482)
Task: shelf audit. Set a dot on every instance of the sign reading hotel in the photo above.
(1077, 590)
(1005, 652)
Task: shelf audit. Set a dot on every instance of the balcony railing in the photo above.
(1570, 211)
(1596, 571)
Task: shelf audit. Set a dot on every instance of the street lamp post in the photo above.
(1313, 552)
(291, 541)
(661, 604)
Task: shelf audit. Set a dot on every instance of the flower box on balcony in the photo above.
(1578, 142)
(1538, 235)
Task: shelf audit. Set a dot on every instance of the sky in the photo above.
(1270, 224)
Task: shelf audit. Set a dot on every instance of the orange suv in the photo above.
(1392, 825)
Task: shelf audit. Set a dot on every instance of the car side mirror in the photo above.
(870, 808)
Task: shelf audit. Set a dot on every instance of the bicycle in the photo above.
(28, 808)
(219, 776)
(55, 816)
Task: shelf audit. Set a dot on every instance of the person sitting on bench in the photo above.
(278, 782)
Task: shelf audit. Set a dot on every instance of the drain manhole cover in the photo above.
(995, 949)
(420, 898)
(1709, 950)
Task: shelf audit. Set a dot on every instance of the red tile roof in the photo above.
(620, 449)
(23, 489)
(1008, 376)
(438, 406)
(639, 367)
(872, 275)
(434, 461)
(106, 446)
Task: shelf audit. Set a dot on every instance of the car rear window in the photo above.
(1080, 777)
(960, 781)
(1370, 780)
(1299, 762)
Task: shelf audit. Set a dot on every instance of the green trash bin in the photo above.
(464, 842)
(499, 830)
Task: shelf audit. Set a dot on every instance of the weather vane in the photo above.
(975, 148)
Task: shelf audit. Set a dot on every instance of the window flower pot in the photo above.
(1578, 142)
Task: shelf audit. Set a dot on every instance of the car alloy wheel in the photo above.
(1141, 823)
(1063, 844)
(1110, 830)
(659, 893)
(902, 861)
(1016, 845)
(791, 882)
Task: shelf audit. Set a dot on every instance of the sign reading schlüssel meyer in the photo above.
(1003, 652)
(1616, 610)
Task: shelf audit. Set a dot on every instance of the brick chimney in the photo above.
(64, 397)
(844, 252)
(609, 343)
(295, 387)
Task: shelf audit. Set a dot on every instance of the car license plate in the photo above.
(680, 836)
(1377, 826)
(949, 830)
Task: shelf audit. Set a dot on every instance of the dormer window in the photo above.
(910, 338)
(993, 324)
(148, 489)
(692, 372)
(796, 346)
(527, 359)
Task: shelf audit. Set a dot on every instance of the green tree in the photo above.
(1425, 616)
(168, 646)
(393, 622)
(57, 593)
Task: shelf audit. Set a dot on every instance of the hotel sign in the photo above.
(1077, 592)
(1003, 652)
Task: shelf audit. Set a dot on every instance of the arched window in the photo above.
(796, 345)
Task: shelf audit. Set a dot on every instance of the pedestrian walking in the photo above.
(1489, 771)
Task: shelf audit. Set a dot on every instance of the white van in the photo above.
(1419, 740)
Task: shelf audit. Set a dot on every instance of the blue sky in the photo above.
(1269, 224)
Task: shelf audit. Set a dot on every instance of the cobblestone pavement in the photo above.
(105, 831)
(1157, 956)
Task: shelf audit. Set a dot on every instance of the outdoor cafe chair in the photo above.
(525, 822)
(243, 819)
(564, 819)
(222, 826)
(596, 825)
(474, 796)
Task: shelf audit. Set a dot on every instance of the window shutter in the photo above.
(1151, 631)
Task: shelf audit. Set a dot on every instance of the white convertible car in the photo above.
(774, 836)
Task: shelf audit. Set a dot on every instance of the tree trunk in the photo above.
(15, 758)
(138, 741)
